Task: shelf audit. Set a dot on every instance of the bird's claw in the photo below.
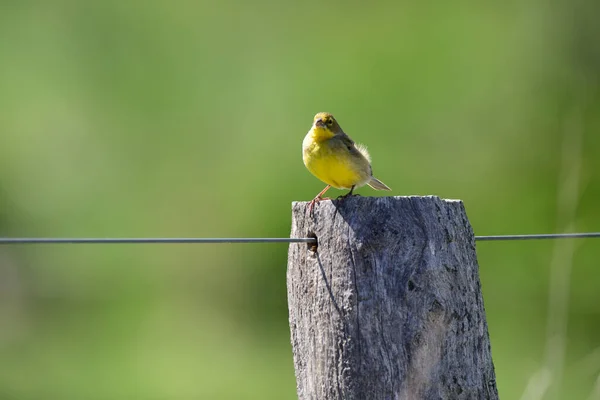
(311, 205)
(343, 196)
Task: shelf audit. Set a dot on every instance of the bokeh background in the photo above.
(177, 119)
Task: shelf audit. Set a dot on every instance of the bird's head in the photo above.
(325, 125)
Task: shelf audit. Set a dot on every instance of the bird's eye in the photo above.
(329, 122)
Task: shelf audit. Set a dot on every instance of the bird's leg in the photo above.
(317, 199)
(347, 194)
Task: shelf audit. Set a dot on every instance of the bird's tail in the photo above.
(377, 184)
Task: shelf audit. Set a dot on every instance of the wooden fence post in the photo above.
(388, 305)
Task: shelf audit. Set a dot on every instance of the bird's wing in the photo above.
(349, 143)
(356, 150)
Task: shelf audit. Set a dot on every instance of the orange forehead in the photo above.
(323, 116)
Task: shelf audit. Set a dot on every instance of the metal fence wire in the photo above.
(33, 240)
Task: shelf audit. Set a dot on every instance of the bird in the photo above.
(330, 155)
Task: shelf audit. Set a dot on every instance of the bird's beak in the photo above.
(319, 122)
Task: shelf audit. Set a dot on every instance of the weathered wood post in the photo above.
(388, 305)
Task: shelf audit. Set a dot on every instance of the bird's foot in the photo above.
(314, 201)
(347, 194)
(343, 196)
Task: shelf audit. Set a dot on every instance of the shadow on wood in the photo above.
(388, 305)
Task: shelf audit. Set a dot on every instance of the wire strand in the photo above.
(540, 236)
(151, 240)
(7, 240)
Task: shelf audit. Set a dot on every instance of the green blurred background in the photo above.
(135, 119)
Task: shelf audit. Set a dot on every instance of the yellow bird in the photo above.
(330, 155)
